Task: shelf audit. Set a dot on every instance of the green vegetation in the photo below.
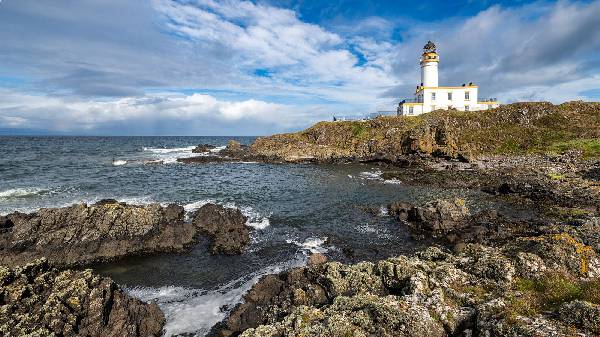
(512, 129)
(589, 147)
(549, 292)
(565, 214)
(358, 129)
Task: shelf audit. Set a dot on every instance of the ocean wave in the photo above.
(161, 150)
(169, 155)
(119, 162)
(392, 181)
(138, 201)
(197, 310)
(371, 175)
(312, 245)
(23, 192)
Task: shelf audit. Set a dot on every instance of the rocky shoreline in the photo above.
(487, 273)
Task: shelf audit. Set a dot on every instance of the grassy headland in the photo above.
(512, 129)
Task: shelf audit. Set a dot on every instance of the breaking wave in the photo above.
(195, 311)
(312, 245)
(119, 162)
(23, 192)
(169, 155)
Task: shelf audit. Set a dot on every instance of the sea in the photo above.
(294, 209)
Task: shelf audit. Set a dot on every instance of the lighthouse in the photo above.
(429, 96)
(429, 66)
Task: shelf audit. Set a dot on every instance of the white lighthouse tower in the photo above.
(429, 66)
(429, 96)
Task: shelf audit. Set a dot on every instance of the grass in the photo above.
(358, 129)
(549, 292)
(589, 147)
(512, 129)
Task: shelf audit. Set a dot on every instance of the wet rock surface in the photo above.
(108, 230)
(225, 226)
(38, 300)
(82, 234)
(524, 288)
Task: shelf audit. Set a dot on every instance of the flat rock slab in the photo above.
(81, 234)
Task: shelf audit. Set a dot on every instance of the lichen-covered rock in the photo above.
(38, 300)
(360, 315)
(583, 314)
(435, 216)
(81, 233)
(481, 290)
(226, 227)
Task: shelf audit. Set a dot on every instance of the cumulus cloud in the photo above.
(20, 110)
(227, 66)
(513, 53)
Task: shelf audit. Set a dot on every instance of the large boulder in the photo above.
(438, 215)
(225, 226)
(82, 234)
(37, 300)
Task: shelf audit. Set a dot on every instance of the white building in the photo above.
(429, 96)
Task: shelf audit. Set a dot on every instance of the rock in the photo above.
(233, 145)
(582, 314)
(81, 234)
(479, 290)
(226, 227)
(203, 148)
(37, 300)
(5, 223)
(438, 215)
(316, 258)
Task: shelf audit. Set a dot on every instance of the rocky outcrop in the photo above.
(225, 226)
(203, 148)
(81, 233)
(37, 300)
(485, 291)
(518, 128)
(435, 216)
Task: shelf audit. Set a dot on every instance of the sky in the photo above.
(210, 67)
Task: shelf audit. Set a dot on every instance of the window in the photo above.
(466, 95)
(433, 96)
(466, 108)
(411, 110)
(449, 96)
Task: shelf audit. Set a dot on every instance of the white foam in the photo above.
(392, 181)
(22, 192)
(372, 175)
(312, 245)
(119, 162)
(169, 150)
(170, 155)
(138, 200)
(217, 149)
(197, 310)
